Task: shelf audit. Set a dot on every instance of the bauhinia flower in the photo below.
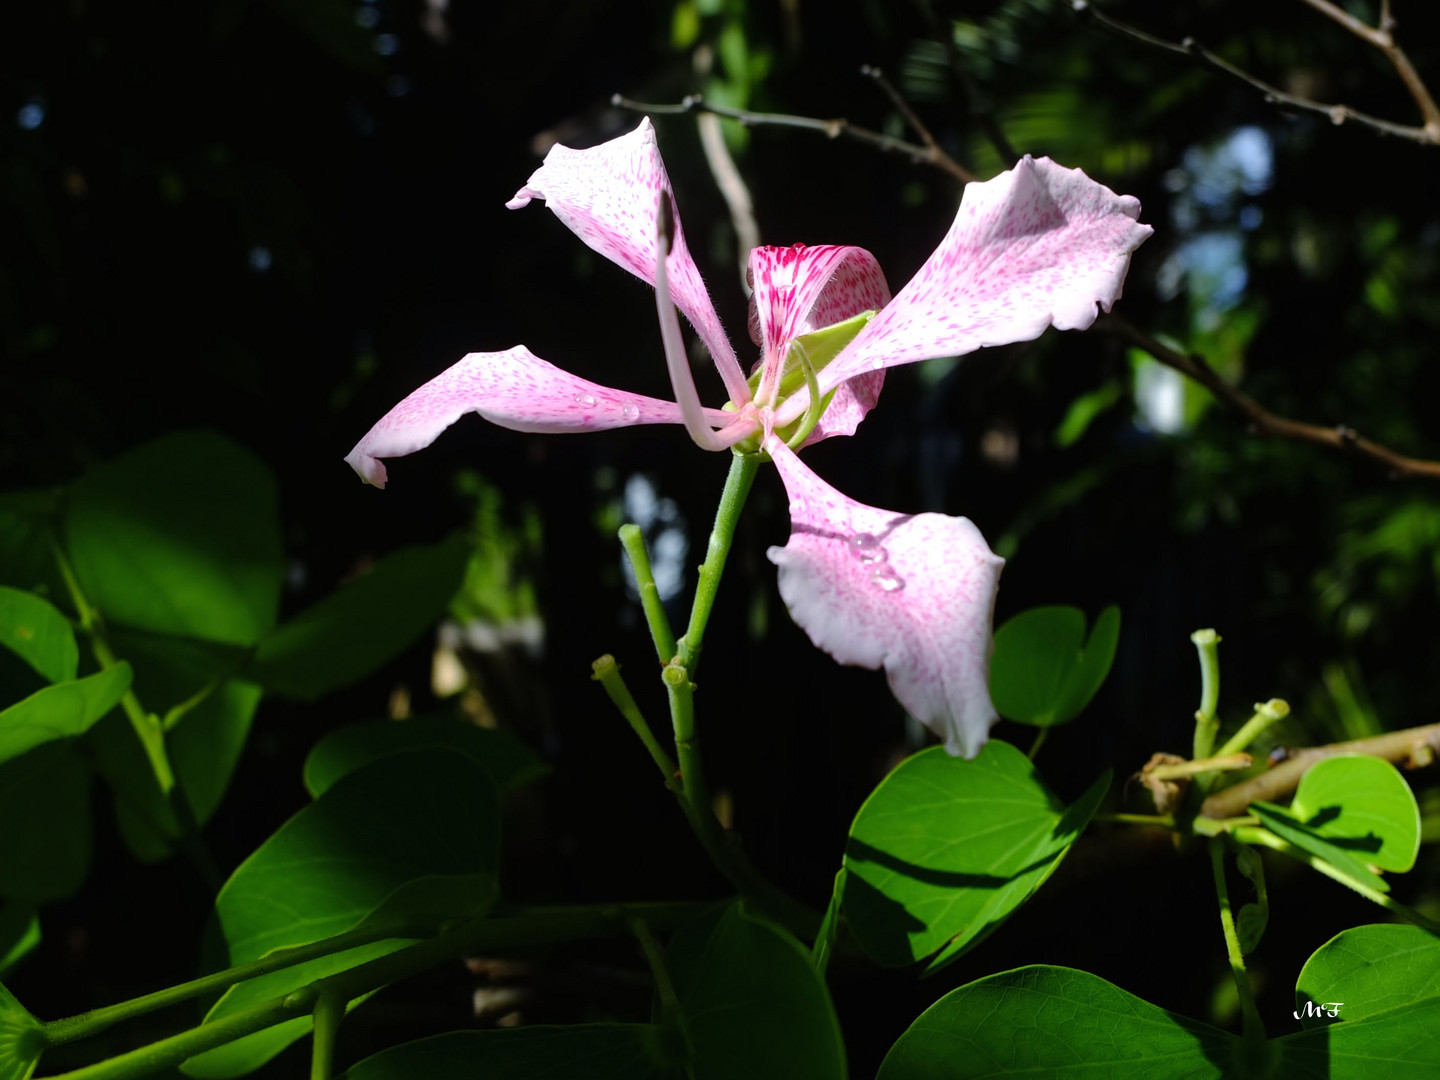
(1037, 246)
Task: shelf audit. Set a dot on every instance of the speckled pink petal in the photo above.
(515, 389)
(799, 289)
(608, 196)
(1037, 246)
(912, 593)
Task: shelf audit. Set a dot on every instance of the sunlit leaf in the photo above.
(61, 711)
(945, 849)
(36, 632)
(1370, 970)
(180, 536)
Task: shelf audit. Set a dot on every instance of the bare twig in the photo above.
(980, 108)
(1426, 135)
(1261, 419)
(1417, 745)
(916, 124)
(834, 129)
(727, 178)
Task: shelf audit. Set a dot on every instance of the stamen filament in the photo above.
(817, 403)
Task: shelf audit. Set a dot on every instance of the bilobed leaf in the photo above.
(19, 932)
(1370, 970)
(1354, 812)
(36, 632)
(576, 1052)
(61, 711)
(45, 805)
(363, 624)
(180, 536)
(1044, 671)
(1053, 1021)
(21, 1039)
(752, 1004)
(945, 849)
(404, 832)
(508, 761)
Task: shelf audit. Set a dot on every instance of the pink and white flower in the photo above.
(1037, 246)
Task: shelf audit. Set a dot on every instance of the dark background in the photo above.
(276, 219)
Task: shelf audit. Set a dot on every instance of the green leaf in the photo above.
(1354, 812)
(45, 803)
(1044, 671)
(61, 711)
(26, 558)
(40, 635)
(180, 536)
(1051, 1021)
(19, 932)
(1402, 1042)
(404, 833)
(577, 1052)
(945, 849)
(1369, 970)
(751, 1002)
(365, 623)
(508, 761)
(829, 925)
(1363, 804)
(21, 1039)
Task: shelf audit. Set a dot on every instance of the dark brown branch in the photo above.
(834, 129)
(1262, 420)
(1426, 135)
(1415, 746)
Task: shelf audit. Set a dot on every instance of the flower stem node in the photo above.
(675, 676)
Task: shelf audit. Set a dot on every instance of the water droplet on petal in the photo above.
(867, 548)
(584, 399)
(885, 579)
(631, 413)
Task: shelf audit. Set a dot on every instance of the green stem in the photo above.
(1265, 838)
(1040, 736)
(147, 727)
(655, 959)
(1252, 1029)
(633, 541)
(329, 1012)
(743, 468)
(607, 674)
(1207, 644)
(1266, 714)
(481, 935)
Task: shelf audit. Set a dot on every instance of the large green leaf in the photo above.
(1354, 812)
(945, 849)
(507, 760)
(1402, 1042)
(27, 560)
(61, 711)
(1050, 1022)
(578, 1052)
(19, 932)
(363, 624)
(1369, 970)
(180, 536)
(21, 1039)
(36, 632)
(45, 807)
(1044, 671)
(752, 1003)
(406, 833)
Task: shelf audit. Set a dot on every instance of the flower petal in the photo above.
(515, 389)
(1039, 245)
(800, 289)
(607, 195)
(911, 593)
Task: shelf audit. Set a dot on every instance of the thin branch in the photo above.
(1426, 135)
(834, 129)
(1418, 745)
(916, 124)
(1262, 420)
(980, 108)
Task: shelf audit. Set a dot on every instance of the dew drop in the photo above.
(584, 399)
(867, 548)
(885, 579)
(631, 413)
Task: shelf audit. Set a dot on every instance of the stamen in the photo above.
(817, 404)
(678, 363)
